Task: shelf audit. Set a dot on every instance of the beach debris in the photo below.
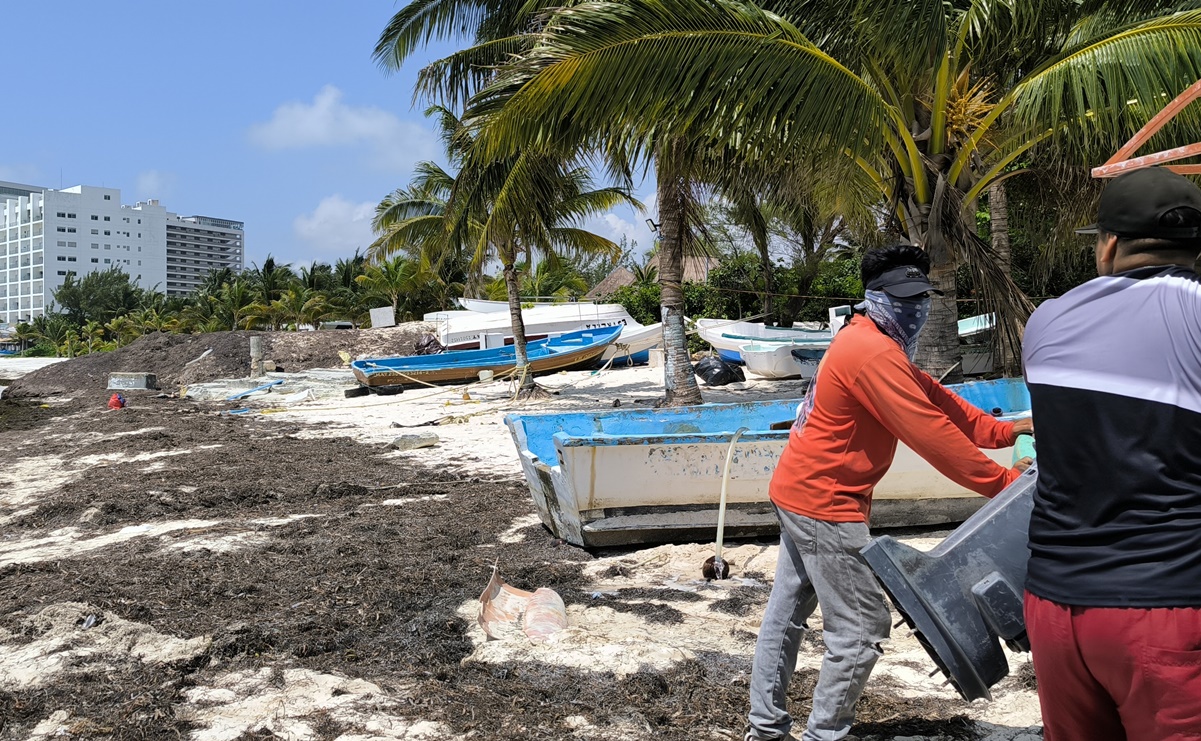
(132, 381)
(717, 372)
(357, 391)
(541, 613)
(203, 355)
(345, 356)
(116, 401)
(415, 440)
(266, 388)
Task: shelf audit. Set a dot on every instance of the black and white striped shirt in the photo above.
(1114, 370)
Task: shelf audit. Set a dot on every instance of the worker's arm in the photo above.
(889, 388)
(982, 429)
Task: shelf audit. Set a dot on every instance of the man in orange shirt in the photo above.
(866, 395)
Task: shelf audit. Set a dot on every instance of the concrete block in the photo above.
(414, 441)
(132, 381)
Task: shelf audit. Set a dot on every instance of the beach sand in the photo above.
(170, 569)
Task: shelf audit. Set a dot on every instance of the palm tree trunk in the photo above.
(513, 288)
(998, 217)
(938, 350)
(679, 380)
(769, 278)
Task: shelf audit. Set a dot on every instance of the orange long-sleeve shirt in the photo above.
(868, 395)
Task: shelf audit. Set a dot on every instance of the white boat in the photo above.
(634, 344)
(469, 330)
(485, 306)
(620, 477)
(727, 336)
(780, 360)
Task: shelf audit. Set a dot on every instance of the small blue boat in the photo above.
(619, 477)
(572, 351)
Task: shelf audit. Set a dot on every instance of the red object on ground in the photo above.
(1116, 673)
(116, 401)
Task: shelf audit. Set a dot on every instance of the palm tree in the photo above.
(504, 210)
(271, 279)
(932, 100)
(394, 280)
(646, 274)
(301, 305)
(236, 305)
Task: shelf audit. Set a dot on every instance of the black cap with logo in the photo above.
(905, 281)
(1134, 204)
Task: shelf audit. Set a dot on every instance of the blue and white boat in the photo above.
(572, 351)
(619, 477)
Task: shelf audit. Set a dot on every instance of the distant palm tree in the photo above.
(646, 275)
(271, 279)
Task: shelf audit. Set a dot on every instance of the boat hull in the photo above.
(466, 366)
(469, 330)
(633, 345)
(618, 478)
(728, 337)
(769, 361)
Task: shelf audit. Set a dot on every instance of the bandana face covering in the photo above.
(900, 318)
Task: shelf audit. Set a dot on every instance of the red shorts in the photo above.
(1116, 673)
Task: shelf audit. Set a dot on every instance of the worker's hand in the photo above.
(1023, 464)
(1024, 426)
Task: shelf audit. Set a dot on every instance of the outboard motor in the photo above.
(965, 596)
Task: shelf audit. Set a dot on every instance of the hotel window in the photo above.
(95, 217)
(70, 230)
(62, 258)
(61, 214)
(71, 259)
(62, 272)
(95, 231)
(95, 259)
(108, 198)
(107, 218)
(107, 261)
(70, 216)
(62, 228)
(108, 233)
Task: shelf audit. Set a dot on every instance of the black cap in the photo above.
(1135, 202)
(905, 281)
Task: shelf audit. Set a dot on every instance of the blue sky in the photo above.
(265, 111)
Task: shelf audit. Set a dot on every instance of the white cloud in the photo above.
(615, 226)
(329, 122)
(337, 226)
(155, 184)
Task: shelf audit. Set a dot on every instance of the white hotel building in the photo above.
(46, 234)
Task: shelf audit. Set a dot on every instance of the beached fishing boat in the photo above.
(783, 360)
(727, 337)
(469, 330)
(633, 346)
(485, 306)
(643, 476)
(571, 351)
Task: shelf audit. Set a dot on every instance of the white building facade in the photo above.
(46, 234)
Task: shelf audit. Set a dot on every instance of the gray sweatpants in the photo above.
(819, 563)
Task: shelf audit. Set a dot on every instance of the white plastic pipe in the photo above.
(718, 563)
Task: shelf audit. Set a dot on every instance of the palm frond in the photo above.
(714, 69)
(421, 21)
(1094, 96)
(452, 80)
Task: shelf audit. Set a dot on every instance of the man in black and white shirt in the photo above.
(1113, 602)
